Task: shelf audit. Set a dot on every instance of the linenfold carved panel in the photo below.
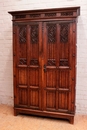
(51, 62)
(34, 62)
(51, 29)
(22, 34)
(34, 34)
(22, 61)
(64, 32)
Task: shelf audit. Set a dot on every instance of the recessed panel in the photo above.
(23, 96)
(22, 76)
(64, 79)
(34, 98)
(63, 100)
(51, 78)
(34, 77)
(50, 99)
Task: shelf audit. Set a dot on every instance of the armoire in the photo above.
(44, 62)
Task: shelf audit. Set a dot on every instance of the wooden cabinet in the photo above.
(44, 62)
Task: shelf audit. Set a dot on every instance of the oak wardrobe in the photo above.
(44, 62)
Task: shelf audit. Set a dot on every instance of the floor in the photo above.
(23, 122)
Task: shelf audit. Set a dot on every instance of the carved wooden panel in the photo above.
(34, 15)
(23, 96)
(34, 62)
(22, 61)
(34, 34)
(64, 32)
(50, 14)
(20, 16)
(51, 41)
(22, 34)
(22, 76)
(64, 89)
(63, 62)
(51, 29)
(67, 14)
(34, 77)
(64, 101)
(51, 62)
(51, 99)
(34, 98)
(64, 78)
(51, 78)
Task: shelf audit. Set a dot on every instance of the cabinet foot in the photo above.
(71, 120)
(16, 112)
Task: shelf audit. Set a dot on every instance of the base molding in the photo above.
(69, 117)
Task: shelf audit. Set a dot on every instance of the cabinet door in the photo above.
(28, 63)
(57, 65)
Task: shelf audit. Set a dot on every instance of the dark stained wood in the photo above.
(44, 62)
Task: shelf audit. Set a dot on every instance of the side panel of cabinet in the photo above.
(74, 54)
